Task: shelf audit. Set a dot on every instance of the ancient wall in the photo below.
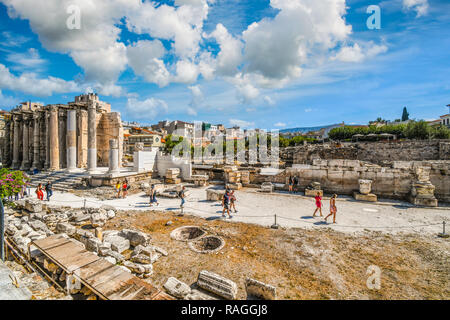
(375, 152)
(341, 177)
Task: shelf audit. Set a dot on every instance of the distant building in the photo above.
(445, 120)
(179, 128)
(149, 141)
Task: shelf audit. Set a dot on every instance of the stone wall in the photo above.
(341, 177)
(375, 152)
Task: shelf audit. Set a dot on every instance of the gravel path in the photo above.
(291, 210)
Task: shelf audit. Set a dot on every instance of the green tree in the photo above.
(418, 130)
(405, 114)
(440, 132)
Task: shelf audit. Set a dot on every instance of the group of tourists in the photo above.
(122, 187)
(293, 183)
(228, 202)
(333, 209)
(48, 188)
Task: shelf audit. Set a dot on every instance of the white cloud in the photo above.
(144, 57)
(197, 100)
(269, 100)
(277, 48)
(356, 53)
(280, 124)
(28, 60)
(420, 6)
(30, 83)
(13, 39)
(230, 55)
(187, 72)
(147, 109)
(182, 24)
(241, 123)
(307, 110)
(95, 46)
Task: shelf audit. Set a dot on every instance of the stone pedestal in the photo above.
(313, 192)
(365, 197)
(71, 140)
(313, 188)
(422, 191)
(267, 187)
(214, 195)
(422, 194)
(113, 156)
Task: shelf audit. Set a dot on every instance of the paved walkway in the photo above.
(8, 291)
(291, 210)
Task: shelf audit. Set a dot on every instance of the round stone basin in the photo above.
(188, 233)
(208, 244)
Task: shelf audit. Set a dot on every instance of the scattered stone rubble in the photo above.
(132, 249)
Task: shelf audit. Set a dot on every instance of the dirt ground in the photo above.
(301, 263)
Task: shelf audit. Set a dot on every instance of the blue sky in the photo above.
(258, 63)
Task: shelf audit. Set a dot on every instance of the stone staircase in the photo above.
(61, 180)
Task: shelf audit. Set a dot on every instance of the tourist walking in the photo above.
(153, 196)
(182, 195)
(40, 192)
(291, 183)
(232, 201)
(118, 188)
(49, 190)
(333, 209)
(125, 188)
(226, 204)
(318, 199)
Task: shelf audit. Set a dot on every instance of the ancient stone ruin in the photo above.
(62, 136)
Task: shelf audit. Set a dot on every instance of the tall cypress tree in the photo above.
(405, 115)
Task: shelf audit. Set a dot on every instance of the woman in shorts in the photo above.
(333, 209)
(118, 188)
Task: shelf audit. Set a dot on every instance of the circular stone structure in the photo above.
(208, 244)
(188, 233)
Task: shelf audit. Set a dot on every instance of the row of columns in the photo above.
(49, 147)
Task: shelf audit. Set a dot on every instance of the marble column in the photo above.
(42, 140)
(82, 139)
(62, 131)
(16, 164)
(92, 137)
(36, 155)
(113, 156)
(71, 142)
(54, 139)
(47, 140)
(25, 147)
(11, 142)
